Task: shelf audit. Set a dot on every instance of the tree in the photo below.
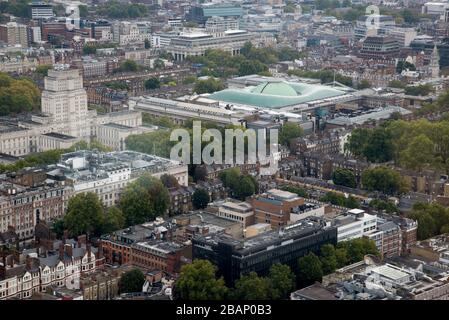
(356, 249)
(388, 206)
(43, 69)
(421, 90)
(379, 146)
(116, 10)
(58, 228)
(129, 66)
(158, 64)
(344, 177)
(385, 180)
(241, 186)
(374, 144)
(144, 199)
(281, 281)
(114, 220)
(157, 143)
(84, 214)
(419, 153)
(189, 80)
(200, 199)
(230, 177)
(357, 141)
(208, 86)
(169, 181)
(152, 83)
(244, 188)
(200, 173)
(83, 11)
(397, 84)
(251, 287)
(17, 95)
(251, 67)
(288, 132)
(197, 281)
(342, 257)
(132, 281)
(299, 191)
(364, 84)
(309, 269)
(433, 219)
(328, 258)
(404, 65)
(89, 49)
(340, 200)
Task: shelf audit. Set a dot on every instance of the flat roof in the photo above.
(117, 126)
(284, 195)
(390, 272)
(59, 136)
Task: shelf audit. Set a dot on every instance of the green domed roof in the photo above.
(276, 94)
(278, 88)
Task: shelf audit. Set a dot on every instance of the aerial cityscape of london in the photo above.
(232, 150)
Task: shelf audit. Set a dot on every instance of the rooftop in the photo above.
(267, 240)
(59, 136)
(277, 94)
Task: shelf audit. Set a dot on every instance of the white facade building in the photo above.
(65, 100)
(355, 224)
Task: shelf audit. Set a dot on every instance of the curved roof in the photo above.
(276, 94)
(276, 88)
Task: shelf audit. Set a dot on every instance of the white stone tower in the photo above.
(434, 66)
(64, 99)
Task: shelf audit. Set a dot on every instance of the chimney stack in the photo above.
(88, 247)
(68, 249)
(28, 261)
(82, 240)
(61, 251)
(65, 236)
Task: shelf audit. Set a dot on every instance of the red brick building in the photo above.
(274, 207)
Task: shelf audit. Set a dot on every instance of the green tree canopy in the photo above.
(157, 143)
(310, 269)
(241, 186)
(288, 132)
(208, 86)
(152, 83)
(84, 215)
(144, 200)
(385, 180)
(132, 281)
(252, 287)
(328, 258)
(404, 65)
(281, 281)
(364, 84)
(200, 199)
(43, 69)
(197, 281)
(340, 200)
(17, 95)
(114, 220)
(374, 144)
(169, 181)
(433, 219)
(119, 10)
(344, 177)
(129, 66)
